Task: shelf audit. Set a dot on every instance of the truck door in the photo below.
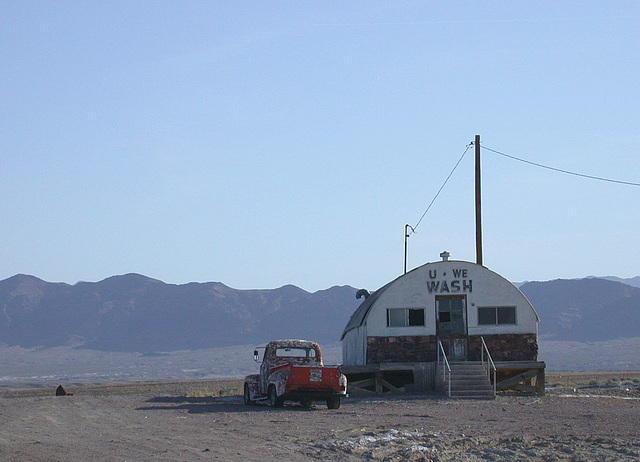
(264, 370)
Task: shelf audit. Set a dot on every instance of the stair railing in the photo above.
(446, 371)
(490, 365)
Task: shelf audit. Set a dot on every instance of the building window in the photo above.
(405, 317)
(495, 315)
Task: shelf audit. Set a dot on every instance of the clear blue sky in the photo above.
(267, 143)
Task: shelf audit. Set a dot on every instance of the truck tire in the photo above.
(247, 395)
(274, 399)
(333, 402)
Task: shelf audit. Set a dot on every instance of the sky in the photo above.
(260, 144)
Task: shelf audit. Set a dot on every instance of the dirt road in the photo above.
(139, 424)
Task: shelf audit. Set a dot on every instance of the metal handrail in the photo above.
(446, 362)
(489, 362)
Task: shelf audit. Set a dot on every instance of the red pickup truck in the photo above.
(293, 370)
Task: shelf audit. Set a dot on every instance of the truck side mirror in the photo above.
(255, 355)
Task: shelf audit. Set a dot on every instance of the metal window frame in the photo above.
(406, 317)
(497, 323)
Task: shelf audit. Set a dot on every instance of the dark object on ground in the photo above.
(60, 391)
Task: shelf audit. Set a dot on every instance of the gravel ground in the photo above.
(176, 421)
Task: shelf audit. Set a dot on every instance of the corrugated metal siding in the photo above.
(354, 347)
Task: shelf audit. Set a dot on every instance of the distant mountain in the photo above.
(137, 313)
(585, 310)
(635, 282)
(134, 313)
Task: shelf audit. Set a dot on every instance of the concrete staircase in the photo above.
(468, 381)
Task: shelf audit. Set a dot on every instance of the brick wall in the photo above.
(505, 347)
(402, 349)
(424, 348)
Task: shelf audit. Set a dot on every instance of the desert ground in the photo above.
(583, 416)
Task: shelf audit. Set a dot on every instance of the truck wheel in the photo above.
(274, 400)
(247, 395)
(333, 402)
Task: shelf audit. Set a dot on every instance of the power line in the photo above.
(591, 177)
(413, 229)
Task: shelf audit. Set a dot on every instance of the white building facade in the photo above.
(457, 302)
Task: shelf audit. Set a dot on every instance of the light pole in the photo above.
(406, 238)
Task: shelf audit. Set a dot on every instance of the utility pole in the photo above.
(478, 204)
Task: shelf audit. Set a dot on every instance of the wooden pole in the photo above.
(478, 205)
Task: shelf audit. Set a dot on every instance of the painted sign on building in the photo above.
(460, 282)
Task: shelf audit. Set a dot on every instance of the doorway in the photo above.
(451, 325)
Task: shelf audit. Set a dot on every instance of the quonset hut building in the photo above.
(456, 310)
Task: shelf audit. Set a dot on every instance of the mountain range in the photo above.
(585, 310)
(134, 313)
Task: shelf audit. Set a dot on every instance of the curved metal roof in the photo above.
(359, 316)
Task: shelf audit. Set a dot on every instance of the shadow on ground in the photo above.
(217, 404)
(206, 404)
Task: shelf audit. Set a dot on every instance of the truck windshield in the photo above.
(296, 352)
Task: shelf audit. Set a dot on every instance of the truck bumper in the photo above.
(312, 395)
